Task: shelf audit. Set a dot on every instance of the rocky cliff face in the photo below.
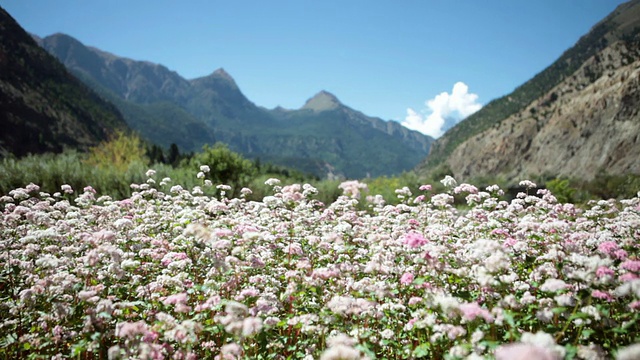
(588, 123)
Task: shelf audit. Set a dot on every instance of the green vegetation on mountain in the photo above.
(43, 107)
(622, 24)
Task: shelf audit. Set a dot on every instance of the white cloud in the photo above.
(457, 106)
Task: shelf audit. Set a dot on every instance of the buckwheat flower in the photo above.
(631, 265)
(250, 326)
(545, 315)
(231, 351)
(415, 300)
(131, 329)
(553, 285)
(608, 247)
(122, 224)
(603, 271)
(272, 182)
(527, 184)
(449, 182)
(426, 187)
(521, 351)
(627, 277)
(66, 189)
(150, 173)
(441, 200)
(407, 278)
(205, 168)
(176, 189)
(341, 352)
(414, 239)
(601, 295)
(245, 191)
(200, 175)
(387, 334)
(631, 352)
(86, 294)
(180, 298)
(472, 310)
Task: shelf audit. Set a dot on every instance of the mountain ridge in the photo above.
(322, 138)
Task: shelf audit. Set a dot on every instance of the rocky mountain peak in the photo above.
(322, 101)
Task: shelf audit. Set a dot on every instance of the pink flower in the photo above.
(604, 271)
(131, 329)
(425, 187)
(601, 295)
(521, 351)
(414, 239)
(608, 247)
(631, 265)
(406, 279)
(620, 254)
(175, 299)
(415, 300)
(472, 310)
(635, 305)
(627, 277)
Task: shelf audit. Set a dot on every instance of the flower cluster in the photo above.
(170, 273)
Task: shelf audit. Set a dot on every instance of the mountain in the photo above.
(150, 97)
(348, 138)
(324, 137)
(45, 107)
(576, 118)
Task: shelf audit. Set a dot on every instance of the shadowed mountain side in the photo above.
(43, 108)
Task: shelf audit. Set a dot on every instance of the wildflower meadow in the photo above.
(173, 273)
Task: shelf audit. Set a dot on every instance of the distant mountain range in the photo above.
(43, 108)
(577, 118)
(324, 137)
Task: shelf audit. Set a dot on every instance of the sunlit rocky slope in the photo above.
(577, 118)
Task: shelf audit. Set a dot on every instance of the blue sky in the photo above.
(397, 60)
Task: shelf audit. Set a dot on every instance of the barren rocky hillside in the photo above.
(577, 118)
(586, 124)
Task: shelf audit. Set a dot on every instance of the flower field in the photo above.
(172, 273)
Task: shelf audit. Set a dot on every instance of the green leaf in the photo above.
(421, 351)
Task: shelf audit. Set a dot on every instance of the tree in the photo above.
(226, 166)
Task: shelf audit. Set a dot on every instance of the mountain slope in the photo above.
(619, 25)
(573, 118)
(45, 107)
(348, 139)
(320, 138)
(149, 96)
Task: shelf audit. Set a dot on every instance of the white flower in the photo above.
(205, 168)
(200, 175)
(272, 182)
(449, 182)
(553, 285)
(150, 173)
(528, 184)
(631, 352)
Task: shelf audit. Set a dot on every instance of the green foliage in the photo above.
(51, 171)
(227, 167)
(561, 189)
(118, 153)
